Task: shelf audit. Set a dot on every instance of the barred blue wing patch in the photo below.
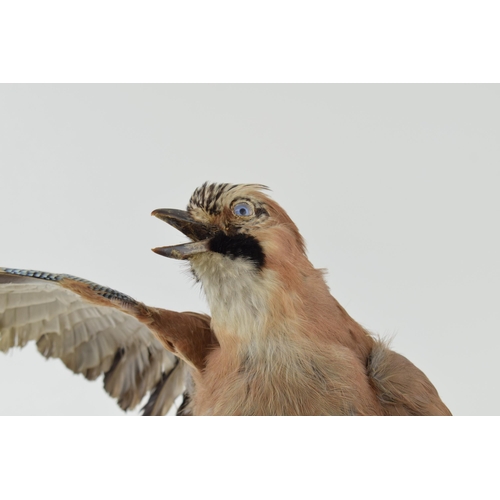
(103, 291)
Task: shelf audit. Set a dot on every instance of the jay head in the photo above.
(250, 258)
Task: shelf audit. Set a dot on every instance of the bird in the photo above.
(276, 343)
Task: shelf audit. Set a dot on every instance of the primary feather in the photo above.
(90, 339)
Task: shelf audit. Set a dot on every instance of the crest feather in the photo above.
(210, 196)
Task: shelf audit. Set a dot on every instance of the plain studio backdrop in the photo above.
(394, 187)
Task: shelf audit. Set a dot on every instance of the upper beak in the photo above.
(193, 229)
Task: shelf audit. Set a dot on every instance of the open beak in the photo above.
(193, 229)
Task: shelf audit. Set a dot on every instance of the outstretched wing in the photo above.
(89, 336)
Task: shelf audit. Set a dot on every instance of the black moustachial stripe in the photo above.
(239, 245)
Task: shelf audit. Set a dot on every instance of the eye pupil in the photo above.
(243, 210)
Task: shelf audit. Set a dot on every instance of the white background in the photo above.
(273, 41)
(394, 187)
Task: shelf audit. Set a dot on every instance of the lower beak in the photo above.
(184, 251)
(193, 229)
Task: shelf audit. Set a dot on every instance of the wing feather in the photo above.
(90, 339)
(402, 388)
(166, 392)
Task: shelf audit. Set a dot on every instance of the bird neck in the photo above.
(252, 307)
(286, 305)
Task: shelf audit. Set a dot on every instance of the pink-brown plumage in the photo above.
(277, 341)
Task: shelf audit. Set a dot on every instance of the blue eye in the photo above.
(243, 209)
